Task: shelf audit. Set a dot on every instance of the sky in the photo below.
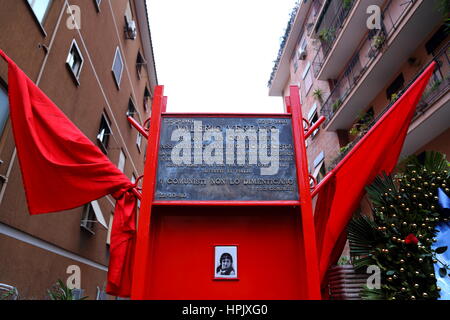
(217, 56)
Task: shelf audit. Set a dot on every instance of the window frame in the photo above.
(110, 225)
(118, 53)
(147, 98)
(139, 141)
(140, 62)
(104, 146)
(122, 161)
(130, 7)
(88, 219)
(97, 4)
(131, 104)
(44, 17)
(76, 77)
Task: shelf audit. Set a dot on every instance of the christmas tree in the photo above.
(399, 234)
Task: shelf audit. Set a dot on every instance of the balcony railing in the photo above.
(367, 52)
(438, 86)
(333, 20)
(283, 41)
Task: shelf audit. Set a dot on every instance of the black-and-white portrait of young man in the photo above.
(226, 262)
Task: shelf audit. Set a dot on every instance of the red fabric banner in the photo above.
(376, 152)
(62, 169)
(122, 246)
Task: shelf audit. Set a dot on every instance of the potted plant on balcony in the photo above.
(362, 124)
(336, 105)
(318, 94)
(326, 34)
(378, 41)
(346, 4)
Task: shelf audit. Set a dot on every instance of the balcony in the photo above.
(404, 27)
(344, 35)
(280, 72)
(432, 112)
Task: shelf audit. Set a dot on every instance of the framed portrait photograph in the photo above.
(226, 262)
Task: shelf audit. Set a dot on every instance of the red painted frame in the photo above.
(143, 246)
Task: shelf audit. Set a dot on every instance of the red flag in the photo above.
(123, 243)
(376, 152)
(62, 169)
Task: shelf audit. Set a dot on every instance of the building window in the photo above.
(97, 4)
(4, 108)
(320, 172)
(75, 60)
(88, 220)
(117, 67)
(139, 141)
(147, 99)
(128, 12)
(313, 116)
(295, 64)
(103, 134)
(319, 167)
(108, 236)
(319, 159)
(40, 8)
(131, 111)
(307, 77)
(140, 61)
(122, 160)
(395, 87)
(301, 51)
(130, 24)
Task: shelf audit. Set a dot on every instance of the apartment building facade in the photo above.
(352, 59)
(94, 59)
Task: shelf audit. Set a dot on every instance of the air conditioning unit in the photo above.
(302, 54)
(131, 30)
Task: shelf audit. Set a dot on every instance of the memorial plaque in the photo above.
(225, 158)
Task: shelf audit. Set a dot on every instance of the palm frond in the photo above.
(362, 235)
(381, 184)
(372, 294)
(430, 160)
